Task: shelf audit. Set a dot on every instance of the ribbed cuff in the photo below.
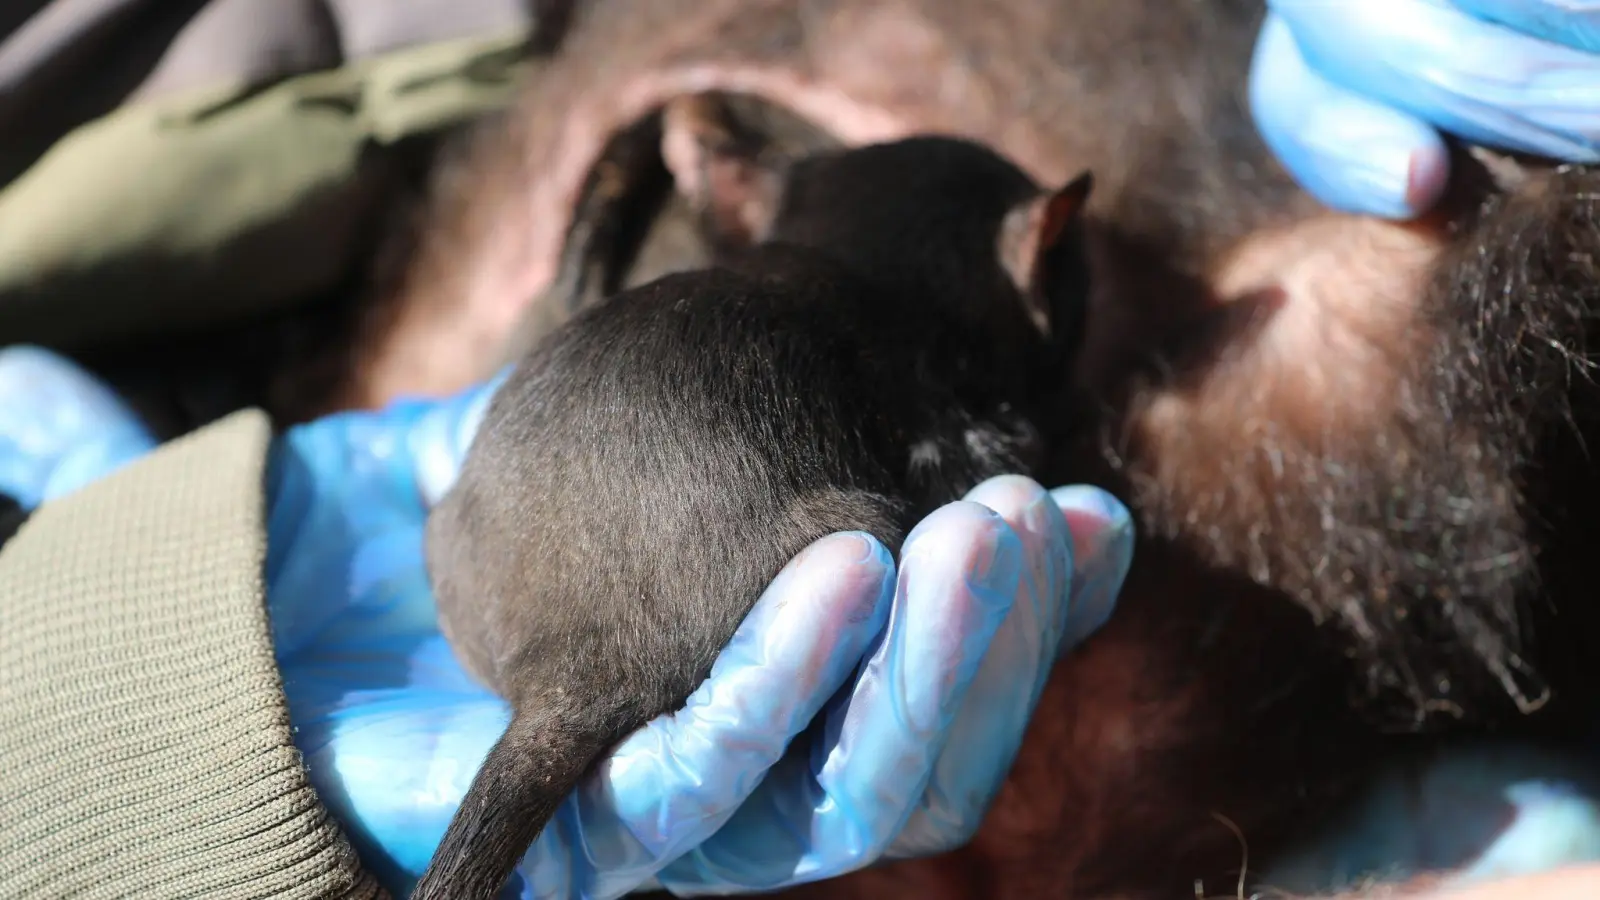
(145, 748)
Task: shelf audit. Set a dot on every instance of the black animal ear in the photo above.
(1041, 249)
(721, 169)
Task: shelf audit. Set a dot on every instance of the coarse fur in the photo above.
(1200, 239)
(1318, 419)
(650, 466)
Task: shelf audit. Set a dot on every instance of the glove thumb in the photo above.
(1353, 154)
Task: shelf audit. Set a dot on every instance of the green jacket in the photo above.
(162, 171)
(166, 166)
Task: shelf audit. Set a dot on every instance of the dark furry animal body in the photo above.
(1358, 451)
(871, 361)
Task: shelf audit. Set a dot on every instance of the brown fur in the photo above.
(1057, 87)
(1381, 422)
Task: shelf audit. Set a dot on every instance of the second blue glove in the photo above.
(1353, 95)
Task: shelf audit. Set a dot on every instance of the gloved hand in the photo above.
(393, 729)
(909, 754)
(1352, 94)
(921, 682)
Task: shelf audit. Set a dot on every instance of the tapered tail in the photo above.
(525, 777)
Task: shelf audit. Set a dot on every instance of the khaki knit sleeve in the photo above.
(145, 748)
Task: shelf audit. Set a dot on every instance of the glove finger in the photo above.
(1102, 544)
(1570, 23)
(1475, 79)
(60, 428)
(836, 803)
(1351, 153)
(673, 784)
(987, 731)
(1058, 604)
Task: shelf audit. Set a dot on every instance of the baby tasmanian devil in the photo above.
(879, 346)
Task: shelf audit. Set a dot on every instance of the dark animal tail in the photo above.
(528, 773)
(12, 517)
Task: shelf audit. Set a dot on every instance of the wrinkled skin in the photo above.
(1319, 419)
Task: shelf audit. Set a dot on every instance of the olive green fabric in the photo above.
(195, 209)
(145, 738)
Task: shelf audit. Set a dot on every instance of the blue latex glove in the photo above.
(394, 730)
(921, 682)
(59, 427)
(913, 742)
(1352, 94)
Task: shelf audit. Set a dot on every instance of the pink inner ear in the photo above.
(1060, 209)
(1019, 242)
(1030, 233)
(1056, 213)
(1023, 241)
